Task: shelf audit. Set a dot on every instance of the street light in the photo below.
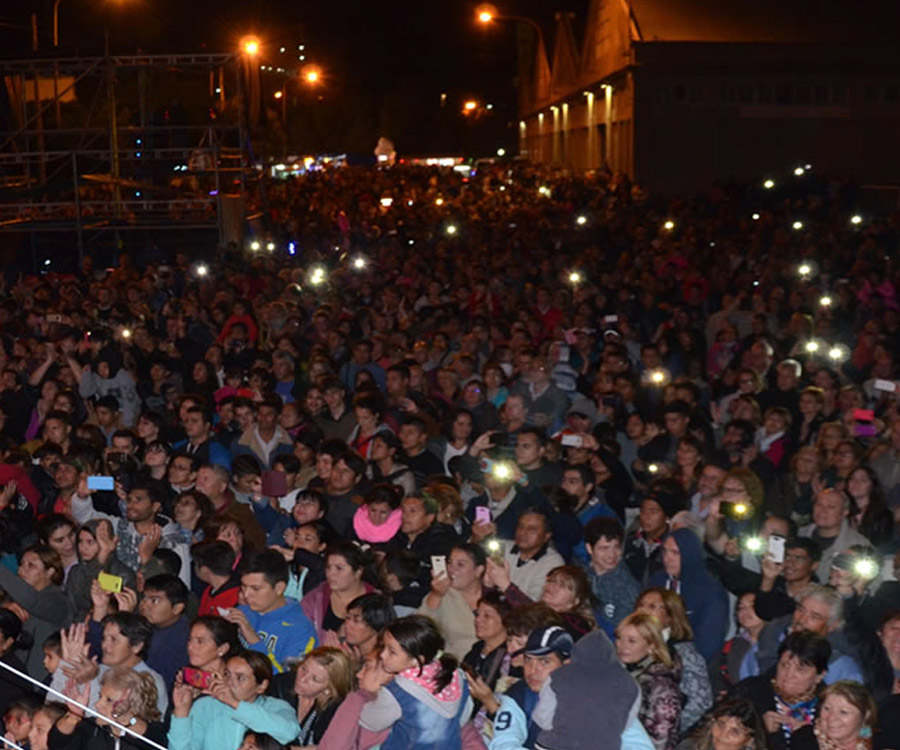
(312, 74)
(250, 46)
(486, 13)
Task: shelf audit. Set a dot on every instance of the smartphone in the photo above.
(101, 483)
(274, 484)
(611, 319)
(572, 441)
(196, 677)
(495, 550)
(736, 511)
(483, 514)
(438, 565)
(110, 583)
(54, 318)
(882, 385)
(223, 611)
(776, 548)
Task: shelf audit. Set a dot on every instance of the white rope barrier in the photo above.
(87, 709)
(10, 743)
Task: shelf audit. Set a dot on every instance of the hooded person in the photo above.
(705, 599)
(108, 377)
(567, 714)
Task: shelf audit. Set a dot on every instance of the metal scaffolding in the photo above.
(107, 177)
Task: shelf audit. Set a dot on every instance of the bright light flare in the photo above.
(856, 220)
(797, 225)
(825, 301)
(669, 225)
(581, 221)
(250, 45)
(451, 229)
(202, 270)
(575, 277)
(769, 184)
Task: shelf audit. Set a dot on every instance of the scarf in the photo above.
(803, 710)
(826, 743)
(369, 532)
(427, 678)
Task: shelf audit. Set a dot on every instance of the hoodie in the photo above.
(566, 710)
(419, 719)
(705, 599)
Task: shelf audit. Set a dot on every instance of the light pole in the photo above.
(486, 13)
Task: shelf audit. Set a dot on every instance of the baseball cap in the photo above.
(552, 639)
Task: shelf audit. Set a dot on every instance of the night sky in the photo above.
(386, 64)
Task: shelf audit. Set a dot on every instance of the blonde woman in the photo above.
(323, 680)
(126, 697)
(641, 648)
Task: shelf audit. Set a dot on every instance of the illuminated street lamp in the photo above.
(312, 74)
(470, 106)
(250, 46)
(486, 13)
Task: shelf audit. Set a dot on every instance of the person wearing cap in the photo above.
(643, 550)
(546, 650)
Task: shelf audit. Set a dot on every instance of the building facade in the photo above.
(677, 97)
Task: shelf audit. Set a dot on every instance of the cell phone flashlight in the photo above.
(495, 550)
(753, 544)
(737, 511)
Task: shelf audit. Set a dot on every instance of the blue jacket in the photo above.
(514, 729)
(705, 599)
(211, 725)
(284, 633)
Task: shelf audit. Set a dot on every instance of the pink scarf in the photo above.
(426, 677)
(369, 532)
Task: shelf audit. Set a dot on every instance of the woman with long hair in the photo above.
(346, 568)
(869, 514)
(643, 651)
(667, 608)
(322, 680)
(423, 704)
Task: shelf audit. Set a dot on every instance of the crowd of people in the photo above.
(505, 460)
